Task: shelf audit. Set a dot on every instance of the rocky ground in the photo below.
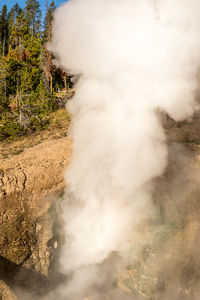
(32, 183)
(169, 265)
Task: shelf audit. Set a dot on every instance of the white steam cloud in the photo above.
(135, 57)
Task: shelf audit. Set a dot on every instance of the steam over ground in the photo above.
(135, 57)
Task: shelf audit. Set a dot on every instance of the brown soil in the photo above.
(38, 170)
(31, 181)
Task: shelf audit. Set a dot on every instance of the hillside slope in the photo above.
(32, 181)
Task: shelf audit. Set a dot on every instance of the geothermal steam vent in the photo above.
(135, 57)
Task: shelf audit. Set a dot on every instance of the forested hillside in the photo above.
(29, 82)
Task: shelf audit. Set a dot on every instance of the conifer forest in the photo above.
(30, 84)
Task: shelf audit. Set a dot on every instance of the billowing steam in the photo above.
(135, 57)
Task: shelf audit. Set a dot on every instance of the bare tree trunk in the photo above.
(20, 116)
(4, 43)
(5, 88)
(4, 76)
(51, 84)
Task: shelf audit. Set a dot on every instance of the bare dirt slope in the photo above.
(37, 170)
(31, 181)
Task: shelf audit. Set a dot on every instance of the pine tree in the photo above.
(14, 13)
(47, 63)
(33, 16)
(25, 57)
(20, 33)
(47, 33)
(4, 30)
(3, 98)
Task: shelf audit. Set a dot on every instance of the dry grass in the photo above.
(57, 128)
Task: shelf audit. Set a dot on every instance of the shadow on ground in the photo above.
(19, 279)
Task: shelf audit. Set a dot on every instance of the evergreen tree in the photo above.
(14, 13)
(4, 30)
(20, 33)
(47, 64)
(47, 33)
(24, 57)
(3, 98)
(33, 16)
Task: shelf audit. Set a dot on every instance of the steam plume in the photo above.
(135, 57)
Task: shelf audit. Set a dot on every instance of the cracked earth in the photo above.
(37, 170)
(30, 184)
